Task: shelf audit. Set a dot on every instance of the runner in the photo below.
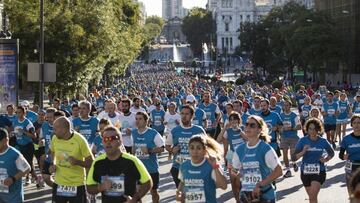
(171, 120)
(213, 114)
(178, 141)
(116, 174)
(330, 111)
(305, 110)
(201, 175)
(273, 122)
(256, 109)
(25, 133)
(344, 114)
(256, 163)
(273, 105)
(127, 119)
(86, 125)
(200, 118)
(13, 167)
(157, 118)
(72, 155)
(350, 150)
(289, 135)
(311, 148)
(97, 147)
(147, 144)
(233, 137)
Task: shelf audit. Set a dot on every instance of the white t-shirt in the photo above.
(115, 121)
(170, 120)
(127, 122)
(140, 109)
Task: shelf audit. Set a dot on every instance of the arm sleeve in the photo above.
(144, 174)
(85, 149)
(21, 164)
(271, 159)
(329, 149)
(159, 141)
(90, 177)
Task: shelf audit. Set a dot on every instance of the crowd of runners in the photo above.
(108, 142)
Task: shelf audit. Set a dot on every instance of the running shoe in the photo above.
(296, 167)
(287, 174)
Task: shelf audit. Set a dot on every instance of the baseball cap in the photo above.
(190, 98)
(25, 103)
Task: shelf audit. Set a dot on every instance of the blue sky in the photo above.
(153, 7)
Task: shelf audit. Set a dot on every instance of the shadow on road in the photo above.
(336, 166)
(282, 193)
(336, 179)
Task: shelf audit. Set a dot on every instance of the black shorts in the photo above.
(330, 127)
(307, 179)
(39, 152)
(155, 179)
(79, 198)
(28, 152)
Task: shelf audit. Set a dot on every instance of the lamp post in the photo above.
(41, 88)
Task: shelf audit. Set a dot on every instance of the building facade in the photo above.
(172, 9)
(229, 14)
(173, 12)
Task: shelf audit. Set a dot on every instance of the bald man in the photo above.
(71, 155)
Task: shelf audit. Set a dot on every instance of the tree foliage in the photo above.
(291, 36)
(198, 26)
(86, 39)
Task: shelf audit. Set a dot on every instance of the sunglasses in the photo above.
(251, 125)
(110, 139)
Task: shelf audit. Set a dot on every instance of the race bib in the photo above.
(66, 191)
(305, 113)
(348, 166)
(250, 179)
(3, 187)
(312, 169)
(301, 101)
(117, 186)
(157, 120)
(195, 195)
(140, 154)
(287, 124)
(331, 111)
(181, 158)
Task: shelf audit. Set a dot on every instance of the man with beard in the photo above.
(127, 121)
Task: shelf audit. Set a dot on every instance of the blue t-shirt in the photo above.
(300, 100)
(147, 140)
(256, 112)
(87, 128)
(181, 136)
(199, 186)
(32, 116)
(5, 122)
(210, 111)
(271, 120)
(26, 125)
(289, 120)
(356, 107)
(47, 133)
(305, 111)
(276, 109)
(351, 144)
(253, 165)
(157, 118)
(234, 138)
(99, 145)
(198, 118)
(344, 108)
(314, 153)
(330, 109)
(8, 168)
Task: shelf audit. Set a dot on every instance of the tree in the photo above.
(291, 36)
(198, 26)
(155, 20)
(86, 39)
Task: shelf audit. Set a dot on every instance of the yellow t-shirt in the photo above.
(77, 147)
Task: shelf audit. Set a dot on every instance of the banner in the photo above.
(8, 73)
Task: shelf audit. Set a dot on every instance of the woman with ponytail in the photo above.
(201, 175)
(256, 163)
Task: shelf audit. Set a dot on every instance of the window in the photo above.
(226, 27)
(226, 3)
(227, 43)
(241, 18)
(248, 18)
(222, 43)
(231, 43)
